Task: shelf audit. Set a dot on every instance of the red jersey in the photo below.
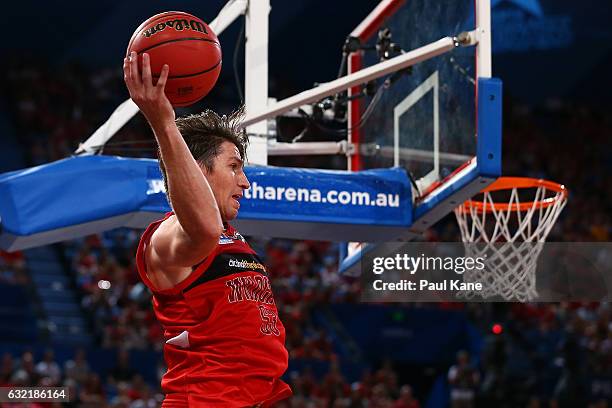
(225, 345)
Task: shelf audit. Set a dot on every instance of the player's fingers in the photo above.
(163, 77)
(126, 70)
(134, 74)
(146, 70)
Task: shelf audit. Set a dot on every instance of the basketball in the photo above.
(189, 47)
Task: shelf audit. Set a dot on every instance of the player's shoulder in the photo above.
(164, 224)
(168, 218)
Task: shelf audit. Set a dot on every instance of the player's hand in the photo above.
(151, 99)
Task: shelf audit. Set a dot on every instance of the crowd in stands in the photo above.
(379, 389)
(112, 293)
(557, 355)
(553, 355)
(541, 355)
(566, 143)
(120, 387)
(13, 268)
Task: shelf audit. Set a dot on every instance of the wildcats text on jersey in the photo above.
(250, 288)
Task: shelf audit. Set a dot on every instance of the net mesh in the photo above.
(509, 237)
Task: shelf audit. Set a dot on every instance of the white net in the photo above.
(509, 237)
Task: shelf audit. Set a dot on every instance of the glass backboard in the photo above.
(423, 119)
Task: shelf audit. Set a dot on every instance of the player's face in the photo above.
(227, 180)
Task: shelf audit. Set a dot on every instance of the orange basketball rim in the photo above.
(515, 184)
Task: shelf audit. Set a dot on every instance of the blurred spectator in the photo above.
(406, 399)
(77, 368)
(49, 368)
(380, 397)
(386, 375)
(463, 379)
(13, 268)
(122, 399)
(26, 374)
(571, 390)
(334, 385)
(122, 372)
(92, 392)
(6, 369)
(147, 398)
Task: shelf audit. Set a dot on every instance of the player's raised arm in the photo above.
(184, 240)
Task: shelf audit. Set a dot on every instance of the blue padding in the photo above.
(489, 146)
(74, 191)
(352, 263)
(354, 196)
(82, 195)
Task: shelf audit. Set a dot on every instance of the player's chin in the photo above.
(231, 214)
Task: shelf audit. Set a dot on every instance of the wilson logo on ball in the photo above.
(178, 25)
(188, 46)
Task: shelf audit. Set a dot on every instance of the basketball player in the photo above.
(224, 341)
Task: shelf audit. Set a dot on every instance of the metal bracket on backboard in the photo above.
(467, 38)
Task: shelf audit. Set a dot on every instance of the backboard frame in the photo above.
(477, 172)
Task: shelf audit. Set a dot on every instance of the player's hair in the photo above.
(204, 134)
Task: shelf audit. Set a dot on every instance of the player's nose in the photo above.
(243, 182)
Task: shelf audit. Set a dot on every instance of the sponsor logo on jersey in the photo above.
(243, 264)
(228, 263)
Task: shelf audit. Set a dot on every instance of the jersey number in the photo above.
(268, 321)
